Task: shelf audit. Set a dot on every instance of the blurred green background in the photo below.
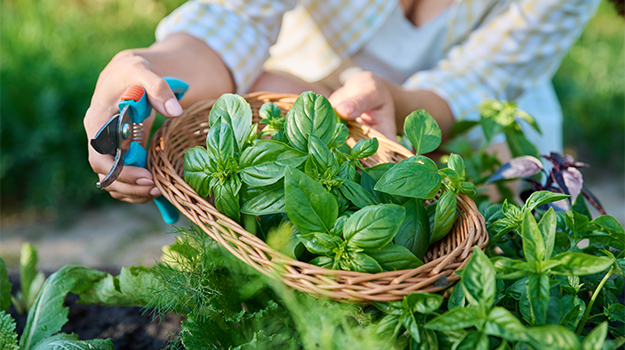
(53, 51)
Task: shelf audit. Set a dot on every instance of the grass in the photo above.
(53, 51)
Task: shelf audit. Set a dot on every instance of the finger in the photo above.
(102, 165)
(128, 199)
(134, 191)
(160, 95)
(351, 104)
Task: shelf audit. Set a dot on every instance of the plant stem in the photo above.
(592, 300)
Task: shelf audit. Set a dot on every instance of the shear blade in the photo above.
(106, 141)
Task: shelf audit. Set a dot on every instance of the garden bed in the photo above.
(130, 328)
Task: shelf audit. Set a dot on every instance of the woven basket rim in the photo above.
(337, 284)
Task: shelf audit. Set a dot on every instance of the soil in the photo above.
(130, 328)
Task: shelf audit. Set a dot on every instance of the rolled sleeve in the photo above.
(518, 49)
(239, 31)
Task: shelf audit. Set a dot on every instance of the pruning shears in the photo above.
(123, 134)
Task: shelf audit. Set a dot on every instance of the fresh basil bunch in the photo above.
(346, 217)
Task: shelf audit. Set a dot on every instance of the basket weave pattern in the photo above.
(166, 161)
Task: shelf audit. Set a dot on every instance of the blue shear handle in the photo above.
(178, 86)
(137, 155)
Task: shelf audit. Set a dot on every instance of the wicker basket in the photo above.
(166, 160)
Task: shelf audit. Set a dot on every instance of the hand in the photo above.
(367, 98)
(134, 184)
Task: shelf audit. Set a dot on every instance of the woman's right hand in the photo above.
(134, 184)
(179, 55)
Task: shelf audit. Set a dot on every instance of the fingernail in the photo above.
(345, 109)
(172, 107)
(144, 182)
(155, 192)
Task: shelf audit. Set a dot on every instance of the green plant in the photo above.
(344, 215)
(47, 313)
(31, 279)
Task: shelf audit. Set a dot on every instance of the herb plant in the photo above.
(347, 217)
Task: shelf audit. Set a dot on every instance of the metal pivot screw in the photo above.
(125, 131)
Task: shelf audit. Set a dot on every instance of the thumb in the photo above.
(160, 95)
(352, 106)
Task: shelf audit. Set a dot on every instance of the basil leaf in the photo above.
(368, 183)
(340, 136)
(390, 307)
(365, 148)
(322, 155)
(311, 169)
(616, 312)
(323, 261)
(510, 269)
(265, 162)
(478, 279)
(538, 295)
(220, 143)
(309, 205)
(457, 298)
(278, 136)
(456, 163)
(269, 112)
(424, 303)
(579, 264)
(547, 226)
(415, 177)
(234, 111)
(414, 232)
(376, 172)
(552, 337)
(595, 339)
(337, 230)
(410, 323)
(373, 227)
(502, 323)
(572, 317)
(360, 262)
(263, 200)
(348, 172)
(533, 243)
(474, 340)
(539, 198)
(422, 131)
(458, 318)
(518, 144)
(394, 257)
(610, 226)
(576, 223)
(320, 243)
(445, 216)
(227, 198)
(311, 114)
(195, 172)
(388, 327)
(357, 195)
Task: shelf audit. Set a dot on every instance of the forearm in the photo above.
(190, 59)
(406, 101)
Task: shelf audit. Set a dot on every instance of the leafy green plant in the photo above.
(344, 215)
(31, 279)
(47, 313)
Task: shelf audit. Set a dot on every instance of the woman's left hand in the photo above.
(367, 98)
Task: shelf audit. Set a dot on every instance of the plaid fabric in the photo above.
(493, 50)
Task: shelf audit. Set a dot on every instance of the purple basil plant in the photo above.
(563, 178)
